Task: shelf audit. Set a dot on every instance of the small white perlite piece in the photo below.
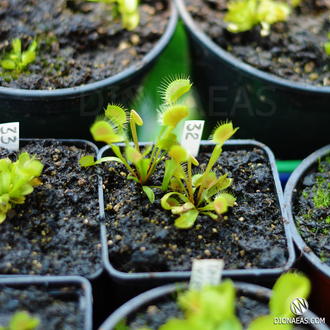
(205, 271)
(9, 136)
(191, 136)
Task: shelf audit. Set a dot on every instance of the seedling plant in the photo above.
(18, 60)
(16, 181)
(194, 193)
(22, 321)
(128, 9)
(243, 15)
(213, 307)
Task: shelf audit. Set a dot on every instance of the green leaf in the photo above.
(17, 47)
(176, 324)
(176, 184)
(166, 201)
(187, 219)
(28, 57)
(87, 161)
(172, 88)
(287, 288)
(132, 177)
(8, 64)
(170, 167)
(23, 321)
(149, 193)
(167, 142)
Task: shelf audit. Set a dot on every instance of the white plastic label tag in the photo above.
(206, 271)
(191, 136)
(9, 136)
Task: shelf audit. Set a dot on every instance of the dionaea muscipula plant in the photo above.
(112, 129)
(200, 193)
(18, 60)
(22, 321)
(128, 10)
(16, 181)
(243, 15)
(213, 307)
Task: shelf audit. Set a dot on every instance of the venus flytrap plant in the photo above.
(113, 129)
(128, 10)
(195, 194)
(22, 321)
(213, 307)
(16, 181)
(243, 15)
(18, 60)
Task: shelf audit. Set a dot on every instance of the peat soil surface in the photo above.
(293, 50)
(142, 236)
(52, 311)
(56, 231)
(79, 42)
(313, 220)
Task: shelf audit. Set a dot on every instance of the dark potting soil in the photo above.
(56, 231)
(54, 310)
(79, 42)
(293, 50)
(313, 220)
(153, 316)
(142, 236)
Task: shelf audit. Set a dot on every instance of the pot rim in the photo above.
(84, 90)
(294, 179)
(237, 274)
(83, 283)
(229, 59)
(254, 291)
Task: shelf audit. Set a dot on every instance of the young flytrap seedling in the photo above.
(243, 15)
(16, 181)
(196, 196)
(327, 46)
(18, 60)
(112, 129)
(128, 9)
(22, 321)
(213, 307)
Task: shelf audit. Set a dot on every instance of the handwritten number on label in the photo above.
(8, 129)
(195, 126)
(194, 136)
(10, 140)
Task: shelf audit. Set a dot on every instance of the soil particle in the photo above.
(250, 235)
(286, 51)
(56, 230)
(79, 42)
(52, 311)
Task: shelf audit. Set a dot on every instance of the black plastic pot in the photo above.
(317, 271)
(97, 279)
(69, 112)
(80, 291)
(265, 107)
(255, 292)
(127, 285)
